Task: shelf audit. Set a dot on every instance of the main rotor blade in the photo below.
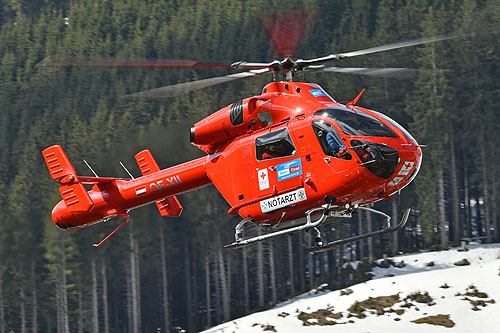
(389, 72)
(398, 45)
(301, 64)
(244, 64)
(53, 61)
(166, 92)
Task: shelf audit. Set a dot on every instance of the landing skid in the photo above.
(386, 230)
(312, 225)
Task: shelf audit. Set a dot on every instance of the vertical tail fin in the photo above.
(72, 191)
(58, 163)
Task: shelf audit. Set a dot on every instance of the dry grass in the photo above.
(420, 297)
(439, 320)
(373, 303)
(266, 327)
(322, 317)
(472, 291)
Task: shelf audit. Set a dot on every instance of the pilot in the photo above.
(270, 152)
(335, 146)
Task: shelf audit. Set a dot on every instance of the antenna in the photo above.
(127, 170)
(95, 174)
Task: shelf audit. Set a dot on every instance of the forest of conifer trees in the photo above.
(160, 273)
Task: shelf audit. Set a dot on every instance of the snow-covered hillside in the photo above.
(429, 293)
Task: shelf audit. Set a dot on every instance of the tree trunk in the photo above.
(260, 272)
(468, 229)
(138, 282)
(435, 74)
(494, 209)
(62, 299)
(479, 217)
(105, 307)
(207, 292)
(229, 280)
(301, 271)
(360, 232)
(246, 286)
(34, 301)
(58, 308)
(290, 266)
(455, 204)
(95, 308)
(341, 265)
(321, 264)
(369, 240)
(164, 282)
(2, 309)
(48, 320)
(486, 195)
(272, 272)
(80, 311)
(310, 261)
(22, 312)
(130, 309)
(336, 268)
(218, 297)
(194, 297)
(226, 302)
(134, 294)
(442, 210)
(189, 292)
(64, 293)
(332, 265)
(395, 235)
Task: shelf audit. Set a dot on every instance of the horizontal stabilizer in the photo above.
(146, 162)
(58, 163)
(168, 206)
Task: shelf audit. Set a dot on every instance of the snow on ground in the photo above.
(446, 284)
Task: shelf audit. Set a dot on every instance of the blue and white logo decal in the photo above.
(289, 169)
(318, 93)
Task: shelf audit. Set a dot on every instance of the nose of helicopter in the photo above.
(397, 164)
(408, 167)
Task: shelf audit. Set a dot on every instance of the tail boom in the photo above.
(114, 197)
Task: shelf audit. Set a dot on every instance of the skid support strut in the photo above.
(386, 230)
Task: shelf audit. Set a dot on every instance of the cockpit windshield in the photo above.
(356, 122)
(395, 124)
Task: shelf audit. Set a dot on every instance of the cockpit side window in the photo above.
(273, 145)
(356, 122)
(330, 140)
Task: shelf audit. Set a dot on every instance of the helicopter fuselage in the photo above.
(269, 156)
(381, 157)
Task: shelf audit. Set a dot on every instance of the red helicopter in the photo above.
(291, 159)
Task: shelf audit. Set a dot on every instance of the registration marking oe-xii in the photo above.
(282, 200)
(164, 183)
